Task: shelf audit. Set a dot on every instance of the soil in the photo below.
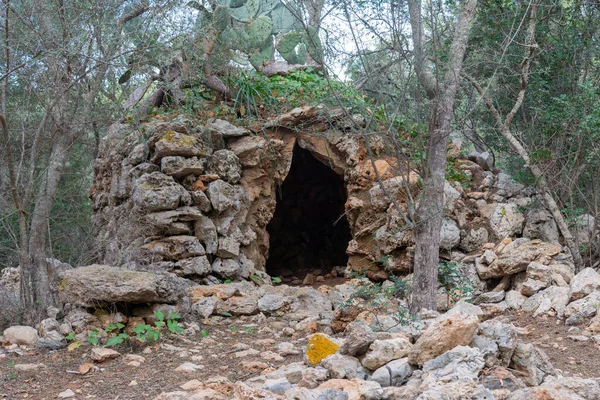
(113, 379)
(573, 358)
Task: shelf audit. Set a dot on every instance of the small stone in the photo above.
(191, 385)
(67, 394)
(133, 383)
(189, 367)
(254, 366)
(246, 353)
(270, 356)
(28, 367)
(319, 347)
(309, 279)
(101, 354)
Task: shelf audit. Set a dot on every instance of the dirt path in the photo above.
(116, 379)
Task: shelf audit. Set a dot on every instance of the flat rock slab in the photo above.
(99, 284)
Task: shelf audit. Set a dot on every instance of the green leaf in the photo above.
(114, 341)
(246, 12)
(159, 324)
(204, 333)
(125, 77)
(70, 336)
(174, 316)
(141, 328)
(276, 279)
(226, 314)
(174, 327)
(159, 315)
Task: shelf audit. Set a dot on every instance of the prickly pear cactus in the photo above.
(250, 25)
(246, 12)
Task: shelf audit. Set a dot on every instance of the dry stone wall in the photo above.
(195, 197)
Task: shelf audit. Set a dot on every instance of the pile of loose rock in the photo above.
(451, 356)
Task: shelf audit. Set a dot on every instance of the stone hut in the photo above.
(208, 199)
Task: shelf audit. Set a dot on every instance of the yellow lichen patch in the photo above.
(320, 347)
(178, 139)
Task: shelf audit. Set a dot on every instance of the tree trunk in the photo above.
(40, 279)
(431, 202)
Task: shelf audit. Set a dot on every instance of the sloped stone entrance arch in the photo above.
(309, 231)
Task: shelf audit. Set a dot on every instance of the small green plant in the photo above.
(70, 336)
(204, 333)
(276, 280)
(378, 299)
(93, 338)
(173, 324)
(255, 278)
(455, 285)
(116, 340)
(146, 333)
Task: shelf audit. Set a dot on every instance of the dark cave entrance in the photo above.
(309, 232)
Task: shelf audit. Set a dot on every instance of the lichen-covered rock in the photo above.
(172, 143)
(474, 239)
(179, 167)
(173, 222)
(446, 332)
(449, 235)
(157, 192)
(175, 247)
(227, 165)
(101, 284)
(199, 266)
(319, 347)
(506, 186)
(229, 269)
(359, 337)
(222, 195)
(343, 367)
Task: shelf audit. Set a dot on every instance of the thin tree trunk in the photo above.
(40, 219)
(431, 203)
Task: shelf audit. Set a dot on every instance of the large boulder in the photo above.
(445, 333)
(506, 220)
(100, 284)
(516, 259)
(540, 225)
(584, 283)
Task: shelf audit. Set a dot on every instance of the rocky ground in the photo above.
(299, 346)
